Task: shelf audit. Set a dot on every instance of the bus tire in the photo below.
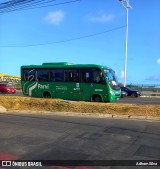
(46, 95)
(97, 98)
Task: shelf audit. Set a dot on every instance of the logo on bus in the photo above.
(43, 86)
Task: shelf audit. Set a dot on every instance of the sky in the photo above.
(83, 32)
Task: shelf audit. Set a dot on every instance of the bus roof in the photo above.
(64, 65)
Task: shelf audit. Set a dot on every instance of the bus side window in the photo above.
(42, 75)
(71, 75)
(59, 75)
(98, 77)
(52, 76)
(86, 77)
(83, 77)
(76, 76)
(25, 76)
(29, 75)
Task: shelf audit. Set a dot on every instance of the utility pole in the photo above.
(126, 5)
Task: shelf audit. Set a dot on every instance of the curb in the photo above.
(2, 109)
(96, 115)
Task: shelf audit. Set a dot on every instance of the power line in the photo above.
(63, 41)
(17, 3)
(33, 4)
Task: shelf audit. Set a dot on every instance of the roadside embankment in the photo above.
(57, 105)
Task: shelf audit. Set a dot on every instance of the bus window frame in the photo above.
(80, 72)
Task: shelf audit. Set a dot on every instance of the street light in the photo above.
(126, 5)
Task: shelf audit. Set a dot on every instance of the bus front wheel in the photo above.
(97, 98)
(46, 95)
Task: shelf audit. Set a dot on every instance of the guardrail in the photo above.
(145, 93)
(147, 90)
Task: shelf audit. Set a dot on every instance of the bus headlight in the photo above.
(112, 92)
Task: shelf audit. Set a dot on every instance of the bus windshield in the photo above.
(110, 75)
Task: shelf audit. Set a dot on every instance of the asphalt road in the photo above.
(130, 100)
(52, 137)
(140, 100)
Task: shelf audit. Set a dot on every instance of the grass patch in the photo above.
(58, 105)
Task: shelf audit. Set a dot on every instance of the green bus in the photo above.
(83, 82)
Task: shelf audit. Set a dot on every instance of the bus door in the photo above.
(57, 83)
(92, 83)
(72, 84)
(85, 85)
(98, 87)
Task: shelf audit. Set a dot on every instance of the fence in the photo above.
(153, 90)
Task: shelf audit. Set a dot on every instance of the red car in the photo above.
(5, 88)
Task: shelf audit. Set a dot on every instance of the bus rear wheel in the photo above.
(97, 98)
(46, 95)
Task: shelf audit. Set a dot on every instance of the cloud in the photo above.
(155, 78)
(158, 61)
(55, 17)
(100, 17)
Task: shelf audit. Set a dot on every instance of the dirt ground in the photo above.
(54, 105)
